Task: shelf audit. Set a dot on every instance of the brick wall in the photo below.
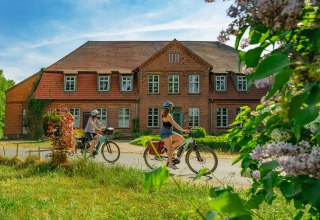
(16, 98)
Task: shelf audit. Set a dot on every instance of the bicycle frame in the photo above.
(182, 148)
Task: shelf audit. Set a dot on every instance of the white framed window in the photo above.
(70, 83)
(102, 117)
(171, 58)
(220, 83)
(124, 117)
(153, 84)
(173, 84)
(177, 58)
(76, 114)
(153, 117)
(194, 83)
(194, 117)
(126, 83)
(174, 58)
(222, 117)
(241, 83)
(103, 83)
(238, 111)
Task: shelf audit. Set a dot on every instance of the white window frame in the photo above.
(153, 84)
(126, 83)
(101, 80)
(222, 117)
(241, 83)
(76, 114)
(173, 58)
(238, 111)
(177, 57)
(103, 116)
(194, 117)
(73, 83)
(153, 117)
(173, 83)
(194, 80)
(124, 118)
(220, 83)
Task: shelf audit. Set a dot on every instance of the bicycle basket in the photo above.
(108, 131)
(158, 145)
(81, 143)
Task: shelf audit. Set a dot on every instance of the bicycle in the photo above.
(197, 156)
(109, 149)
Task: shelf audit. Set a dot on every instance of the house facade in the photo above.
(129, 80)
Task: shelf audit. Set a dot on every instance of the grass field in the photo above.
(94, 191)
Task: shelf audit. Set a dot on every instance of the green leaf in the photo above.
(279, 80)
(255, 201)
(271, 65)
(156, 177)
(296, 104)
(314, 95)
(229, 204)
(299, 215)
(311, 192)
(239, 36)
(201, 173)
(252, 56)
(268, 182)
(318, 40)
(217, 192)
(306, 115)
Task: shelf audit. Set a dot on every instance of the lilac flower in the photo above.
(255, 174)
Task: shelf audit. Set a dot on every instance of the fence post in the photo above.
(17, 151)
(29, 152)
(4, 151)
(39, 153)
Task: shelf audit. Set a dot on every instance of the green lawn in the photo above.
(94, 191)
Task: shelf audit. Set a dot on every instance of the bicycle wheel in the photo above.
(200, 157)
(110, 151)
(153, 161)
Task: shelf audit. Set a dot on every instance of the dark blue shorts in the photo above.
(90, 136)
(166, 132)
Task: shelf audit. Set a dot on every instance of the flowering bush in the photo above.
(280, 140)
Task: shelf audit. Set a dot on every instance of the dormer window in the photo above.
(70, 83)
(241, 83)
(126, 83)
(103, 83)
(220, 83)
(174, 58)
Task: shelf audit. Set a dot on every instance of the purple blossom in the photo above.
(255, 174)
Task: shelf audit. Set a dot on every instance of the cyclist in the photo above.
(168, 135)
(93, 124)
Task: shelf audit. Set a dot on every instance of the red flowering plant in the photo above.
(61, 134)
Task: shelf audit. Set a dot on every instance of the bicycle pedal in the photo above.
(176, 161)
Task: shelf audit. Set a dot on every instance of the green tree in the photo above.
(5, 84)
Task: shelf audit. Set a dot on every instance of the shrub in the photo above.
(50, 117)
(118, 135)
(215, 142)
(200, 132)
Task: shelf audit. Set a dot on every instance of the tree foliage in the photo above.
(5, 84)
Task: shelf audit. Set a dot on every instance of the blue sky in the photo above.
(37, 33)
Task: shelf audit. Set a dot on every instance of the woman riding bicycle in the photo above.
(168, 135)
(93, 124)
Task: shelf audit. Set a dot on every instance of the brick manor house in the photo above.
(127, 80)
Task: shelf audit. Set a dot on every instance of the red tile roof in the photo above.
(128, 55)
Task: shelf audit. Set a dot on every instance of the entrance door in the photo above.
(85, 116)
(177, 116)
